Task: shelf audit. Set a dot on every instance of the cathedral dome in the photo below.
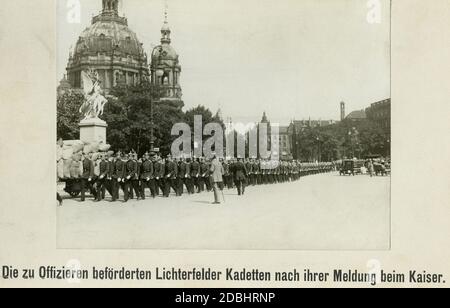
(106, 35)
(111, 48)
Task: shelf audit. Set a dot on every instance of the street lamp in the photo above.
(319, 156)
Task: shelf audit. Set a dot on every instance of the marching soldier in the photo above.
(195, 173)
(255, 169)
(187, 177)
(181, 175)
(201, 177)
(240, 176)
(102, 179)
(111, 181)
(248, 166)
(147, 177)
(205, 175)
(171, 177)
(88, 177)
(132, 178)
(226, 174)
(159, 171)
(118, 175)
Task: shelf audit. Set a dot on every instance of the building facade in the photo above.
(111, 48)
(380, 113)
(285, 143)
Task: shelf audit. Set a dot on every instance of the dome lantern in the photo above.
(111, 6)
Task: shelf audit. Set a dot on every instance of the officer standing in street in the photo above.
(217, 178)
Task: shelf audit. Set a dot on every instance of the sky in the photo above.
(293, 59)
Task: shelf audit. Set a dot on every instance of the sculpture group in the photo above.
(95, 102)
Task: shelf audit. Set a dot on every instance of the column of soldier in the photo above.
(133, 176)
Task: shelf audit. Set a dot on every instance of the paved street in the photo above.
(320, 212)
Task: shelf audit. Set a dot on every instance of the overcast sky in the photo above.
(294, 59)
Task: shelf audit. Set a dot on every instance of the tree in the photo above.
(68, 115)
(207, 117)
(129, 117)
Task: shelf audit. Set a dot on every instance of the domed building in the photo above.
(165, 67)
(111, 48)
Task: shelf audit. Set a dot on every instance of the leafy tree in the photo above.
(345, 139)
(207, 117)
(129, 115)
(68, 116)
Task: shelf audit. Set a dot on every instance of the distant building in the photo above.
(304, 124)
(64, 86)
(285, 143)
(356, 116)
(380, 112)
(284, 139)
(264, 121)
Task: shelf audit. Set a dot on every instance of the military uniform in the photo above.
(118, 179)
(147, 178)
(159, 171)
(226, 174)
(87, 178)
(102, 181)
(204, 180)
(240, 177)
(181, 177)
(132, 179)
(171, 178)
(203, 176)
(188, 179)
(249, 167)
(195, 173)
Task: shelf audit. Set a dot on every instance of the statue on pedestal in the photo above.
(95, 102)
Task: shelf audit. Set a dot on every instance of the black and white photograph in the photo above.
(223, 125)
(228, 150)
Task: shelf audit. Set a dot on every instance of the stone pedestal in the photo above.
(93, 130)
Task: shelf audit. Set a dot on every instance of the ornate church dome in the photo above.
(110, 47)
(106, 35)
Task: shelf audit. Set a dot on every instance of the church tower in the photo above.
(342, 111)
(165, 66)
